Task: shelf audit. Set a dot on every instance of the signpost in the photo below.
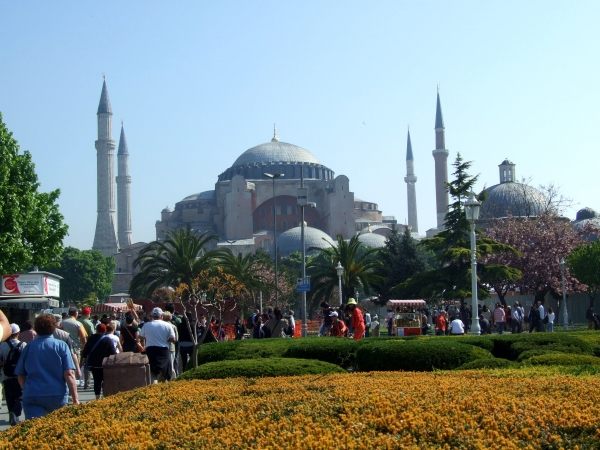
(303, 284)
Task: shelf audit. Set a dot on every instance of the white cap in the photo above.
(157, 312)
(14, 328)
(333, 314)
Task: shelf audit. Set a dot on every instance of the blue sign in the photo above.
(303, 284)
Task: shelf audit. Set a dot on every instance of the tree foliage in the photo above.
(452, 249)
(541, 243)
(31, 226)
(86, 274)
(361, 269)
(402, 259)
(179, 258)
(584, 264)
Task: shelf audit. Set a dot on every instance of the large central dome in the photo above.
(280, 157)
(275, 151)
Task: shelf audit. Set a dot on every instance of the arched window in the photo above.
(284, 225)
(283, 207)
(263, 212)
(263, 225)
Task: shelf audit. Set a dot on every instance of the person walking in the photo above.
(98, 347)
(534, 319)
(157, 334)
(375, 326)
(10, 352)
(358, 323)
(550, 317)
(130, 335)
(27, 334)
(277, 325)
(499, 318)
(76, 331)
(186, 343)
(167, 317)
(46, 371)
(367, 319)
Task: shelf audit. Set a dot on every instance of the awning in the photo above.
(29, 303)
(407, 303)
(113, 307)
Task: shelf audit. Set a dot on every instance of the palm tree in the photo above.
(247, 270)
(177, 259)
(361, 269)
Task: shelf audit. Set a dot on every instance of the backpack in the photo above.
(12, 359)
(267, 332)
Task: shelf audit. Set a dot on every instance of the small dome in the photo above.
(289, 241)
(586, 213)
(167, 210)
(372, 240)
(275, 151)
(206, 195)
(514, 199)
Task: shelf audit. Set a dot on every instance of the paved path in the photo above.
(85, 395)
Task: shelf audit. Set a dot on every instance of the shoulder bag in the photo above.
(139, 346)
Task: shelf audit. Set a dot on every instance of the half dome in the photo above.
(372, 240)
(290, 241)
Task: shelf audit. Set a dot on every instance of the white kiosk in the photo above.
(25, 296)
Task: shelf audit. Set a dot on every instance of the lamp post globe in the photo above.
(472, 212)
(340, 271)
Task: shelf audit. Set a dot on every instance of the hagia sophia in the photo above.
(256, 198)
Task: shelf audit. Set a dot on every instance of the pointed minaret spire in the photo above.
(104, 105)
(411, 192)
(275, 138)
(105, 238)
(123, 192)
(440, 155)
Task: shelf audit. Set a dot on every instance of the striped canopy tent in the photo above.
(113, 307)
(407, 303)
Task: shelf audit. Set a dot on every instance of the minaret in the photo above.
(105, 239)
(410, 179)
(123, 192)
(440, 154)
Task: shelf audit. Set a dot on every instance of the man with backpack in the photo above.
(10, 352)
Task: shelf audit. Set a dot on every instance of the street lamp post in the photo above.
(564, 308)
(472, 212)
(340, 272)
(274, 176)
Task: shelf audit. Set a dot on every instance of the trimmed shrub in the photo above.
(245, 349)
(332, 350)
(489, 363)
(421, 355)
(563, 359)
(547, 341)
(265, 367)
(531, 353)
(484, 342)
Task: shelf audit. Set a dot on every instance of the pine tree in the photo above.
(452, 251)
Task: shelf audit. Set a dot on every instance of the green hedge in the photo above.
(420, 355)
(254, 368)
(488, 363)
(531, 353)
(563, 359)
(332, 350)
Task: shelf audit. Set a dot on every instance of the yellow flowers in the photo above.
(489, 410)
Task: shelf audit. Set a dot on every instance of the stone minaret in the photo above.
(123, 192)
(411, 193)
(105, 239)
(440, 154)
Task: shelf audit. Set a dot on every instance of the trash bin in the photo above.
(125, 371)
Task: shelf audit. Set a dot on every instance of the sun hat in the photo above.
(351, 301)
(14, 328)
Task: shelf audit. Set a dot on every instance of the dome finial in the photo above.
(275, 138)
(369, 227)
(104, 75)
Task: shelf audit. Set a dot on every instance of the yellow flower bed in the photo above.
(471, 410)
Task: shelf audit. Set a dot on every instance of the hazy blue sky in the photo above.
(198, 83)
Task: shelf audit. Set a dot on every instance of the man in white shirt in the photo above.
(457, 327)
(157, 334)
